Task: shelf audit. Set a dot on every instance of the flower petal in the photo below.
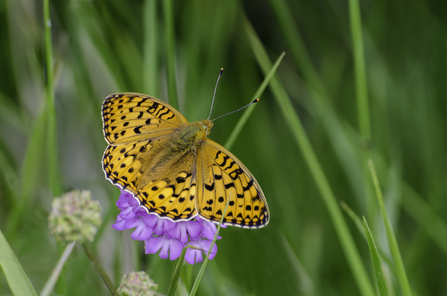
(142, 232)
(169, 246)
(153, 244)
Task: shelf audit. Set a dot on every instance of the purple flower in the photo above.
(165, 243)
(164, 235)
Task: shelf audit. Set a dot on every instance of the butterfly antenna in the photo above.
(215, 89)
(252, 102)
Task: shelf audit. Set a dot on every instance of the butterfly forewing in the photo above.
(226, 177)
(132, 117)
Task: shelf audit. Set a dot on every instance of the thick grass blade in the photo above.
(302, 141)
(16, 277)
(378, 269)
(400, 269)
(240, 124)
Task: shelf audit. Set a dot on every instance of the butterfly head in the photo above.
(207, 125)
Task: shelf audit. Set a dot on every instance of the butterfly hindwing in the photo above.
(131, 117)
(121, 166)
(224, 176)
(173, 198)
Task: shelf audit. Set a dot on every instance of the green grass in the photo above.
(359, 80)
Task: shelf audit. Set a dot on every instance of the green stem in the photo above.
(170, 52)
(178, 269)
(100, 269)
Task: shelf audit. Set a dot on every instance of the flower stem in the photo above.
(176, 276)
(100, 269)
(202, 269)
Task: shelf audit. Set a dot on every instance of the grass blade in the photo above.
(302, 141)
(240, 124)
(49, 285)
(105, 277)
(202, 268)
(400, 270)
(16, 277)
(360, 73)
(378, 269)
(358, 223)
(176, 277)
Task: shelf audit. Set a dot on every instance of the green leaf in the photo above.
(378, 269)
(16, 277)
(400, 269)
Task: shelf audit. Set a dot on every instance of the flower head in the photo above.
(137, 284)
(75, 216)
(163, 235)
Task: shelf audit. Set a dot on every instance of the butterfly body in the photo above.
(172, 168)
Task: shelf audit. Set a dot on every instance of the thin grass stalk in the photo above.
(151, 78)
(53, 172)
(202, 268)
(400, 269)
(360, 73)
(362, 97)
(170, 52)
(49, 285)
(302, 141)
(105, 277)
(176, 277)
(240, 124)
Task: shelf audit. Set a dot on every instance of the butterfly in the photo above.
(172, 168)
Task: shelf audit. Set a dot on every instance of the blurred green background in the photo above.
(102, 47)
